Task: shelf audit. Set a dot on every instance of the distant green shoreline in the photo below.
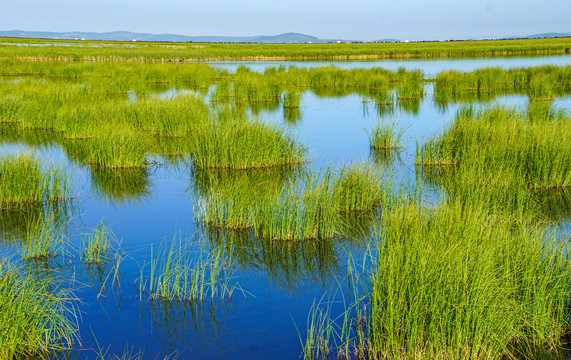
(92, 50)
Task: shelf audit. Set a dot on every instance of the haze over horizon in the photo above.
(364, 20)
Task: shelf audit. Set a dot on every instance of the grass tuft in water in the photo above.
(44, 239)
(305, 209)
(178, 273)
(24, 183)
(244, 145)
(37, 316)
(386, 136)
(503, 140)
(97, 248)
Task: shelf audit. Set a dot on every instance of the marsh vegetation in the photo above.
(452, 245)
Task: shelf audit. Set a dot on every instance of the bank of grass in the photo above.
(37, 316)
(174, 52)
(25, 183)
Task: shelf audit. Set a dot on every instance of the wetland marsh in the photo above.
(252, 210)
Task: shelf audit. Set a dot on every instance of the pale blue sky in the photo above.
(357, 19)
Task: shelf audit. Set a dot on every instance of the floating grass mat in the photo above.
(24, 183)
(499, 139)
(37, 317)
(244, 145)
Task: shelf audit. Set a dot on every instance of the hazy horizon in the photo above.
(363, 20)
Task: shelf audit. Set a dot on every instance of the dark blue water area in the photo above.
(274, 288)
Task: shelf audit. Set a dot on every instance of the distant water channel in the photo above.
(275, 287)
(429, 66)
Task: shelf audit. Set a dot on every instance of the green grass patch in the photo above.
(97, 247)
(462, 284)
(37, 316)
(386, 136)
(503, 140)
(244, 145)
(25, 183)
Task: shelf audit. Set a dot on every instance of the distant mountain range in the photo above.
(549, 35)
(132, 36)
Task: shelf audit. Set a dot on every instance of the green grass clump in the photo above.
(291, 106)
(97, 248)
(386, 136)
(176, 273)
(303, 210)
(504, 140)
(116, 150)
(244, 145)
(291, 214)
(233, 212)
(170, 118)
(37, 317)
(358, 187)
(44, 239)
(461, 284)
(291, 100)
(24, 183)
(541, 82)
(298, 214)
(10, 109)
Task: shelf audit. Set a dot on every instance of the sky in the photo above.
(364, 20)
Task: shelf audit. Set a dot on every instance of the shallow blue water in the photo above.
(429, 67)
(267, 314)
